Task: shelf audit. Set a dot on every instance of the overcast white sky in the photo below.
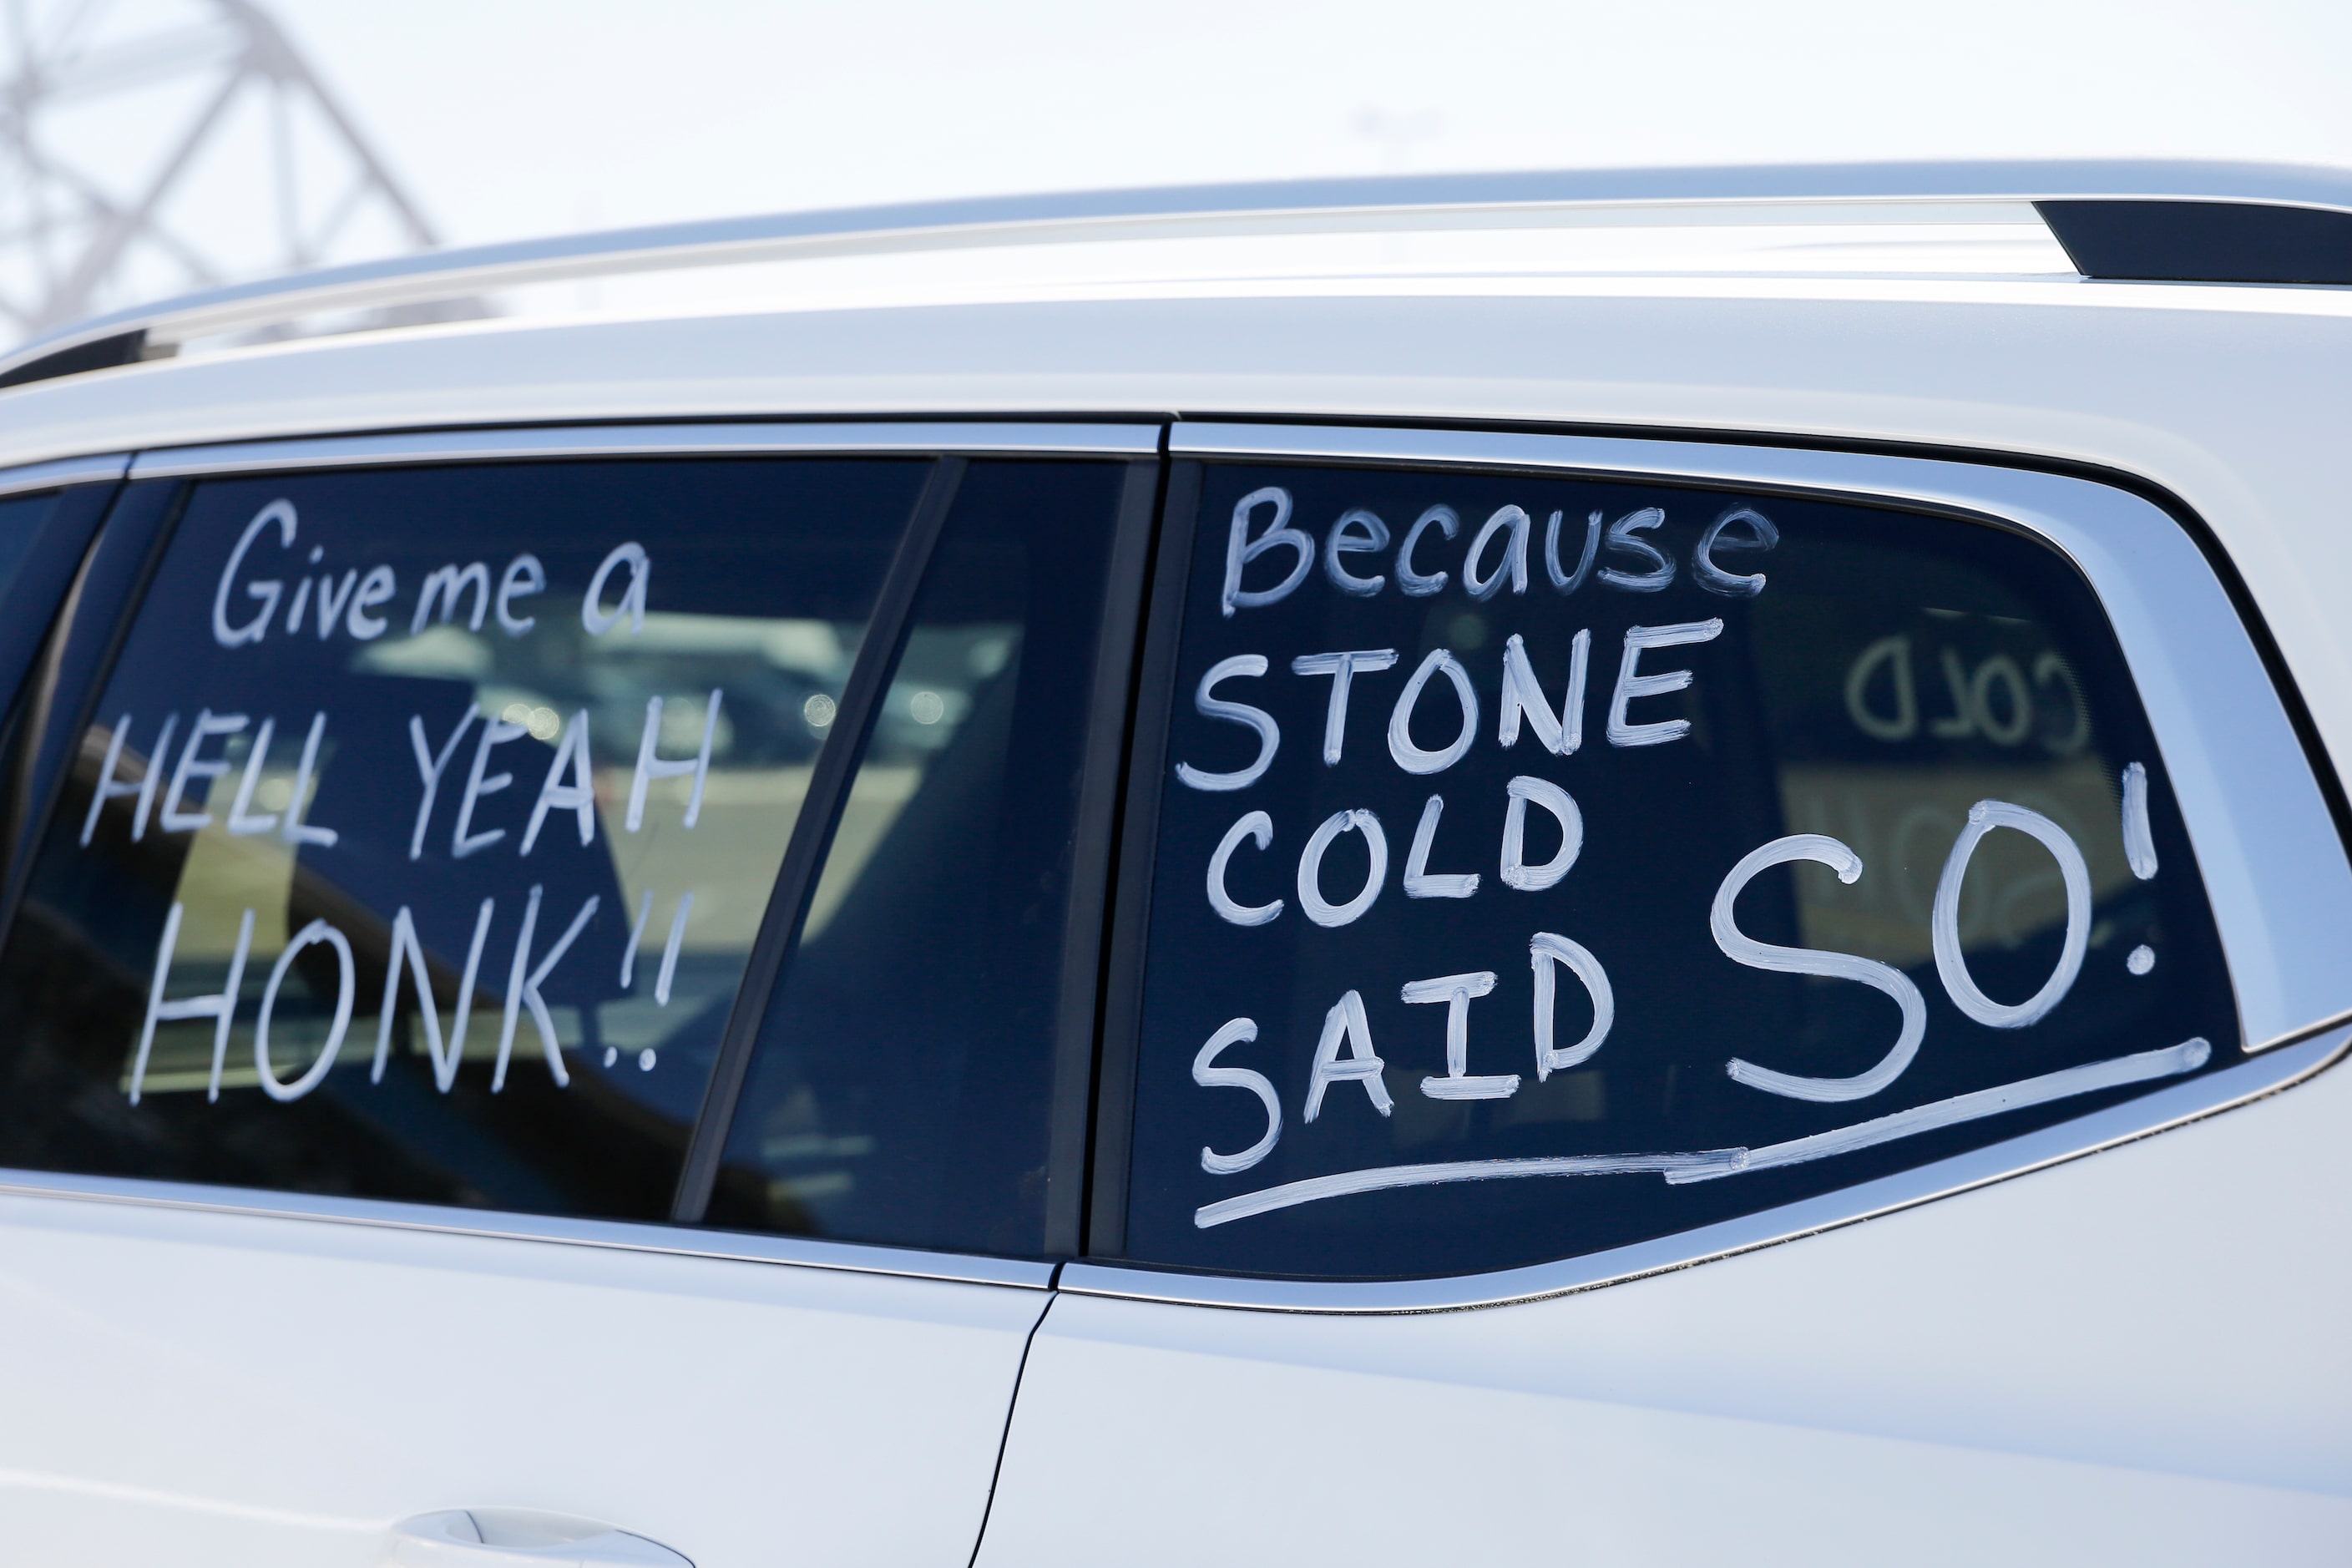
(520, 117)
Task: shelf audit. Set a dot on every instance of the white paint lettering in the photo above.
(1569, 582)
(1523, 697)
(1419, 883)
(522, 989)
(1411, 757)
(593, 614)
(1516, 872)
(651, 766)
(1343, 668)
(1209, 1075)
(1455, 991)
(1358, 533)
(1269, 735)
(1545, 952)
(577, 795)
(106, 788)
(347, 984)
(378, 587)
(193, 766)
(1511, 524)
(1944, 921)
(220, 1006)
(494, 733)
(332, 601)
(1241, 549)
(266, 594)
(242, 821)
(2139, 840)
(523, 577)
(408, 953)
(1310, 868)
(1416, 584)
(299, 831)
(1345, 1024)
(669, 949)
(1741, 948)
(1258, 827)
(444, 583)
(1661, 568)
(1761, 534)
(1631, 685)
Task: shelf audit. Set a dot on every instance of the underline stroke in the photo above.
(1346, 1183)
(2169, 1062)
(1708, 1165)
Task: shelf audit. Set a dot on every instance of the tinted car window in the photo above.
(905, 1075)
(21, 518)
(1549, 864)
(423, 827)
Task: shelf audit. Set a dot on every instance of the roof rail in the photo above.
(1287, 206)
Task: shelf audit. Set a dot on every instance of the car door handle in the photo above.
(513, 1537)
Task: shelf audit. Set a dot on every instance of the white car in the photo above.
(1621, 868)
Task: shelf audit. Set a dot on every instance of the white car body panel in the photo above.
(733, 1411)
(2132, 1357)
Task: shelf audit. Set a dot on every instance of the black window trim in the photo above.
(2296, 1024)
(94, 620)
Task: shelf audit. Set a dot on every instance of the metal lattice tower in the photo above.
(149, 147)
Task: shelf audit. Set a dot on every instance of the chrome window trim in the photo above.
(2192, 1101)
(2273, 864)
(975, 438)
(104, 469)
(625, 1235)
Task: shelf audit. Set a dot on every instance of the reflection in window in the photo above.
(515, 749)
(1547, 865)
(901, 1089)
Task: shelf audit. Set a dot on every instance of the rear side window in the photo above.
(1547, 865)
(421, 833)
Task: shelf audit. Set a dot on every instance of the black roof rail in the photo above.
(96, 353)
(2202, 241)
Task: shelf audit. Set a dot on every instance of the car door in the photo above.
(550, 980)
(1570, 883)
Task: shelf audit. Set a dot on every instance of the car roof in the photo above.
(2114, 219)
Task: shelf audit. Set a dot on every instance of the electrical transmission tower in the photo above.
(155, 146)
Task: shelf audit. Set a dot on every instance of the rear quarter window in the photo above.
(1547, 865)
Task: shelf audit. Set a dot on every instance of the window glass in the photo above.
(513, 748)
(905, 1072)
(21, 518)
(1549, 864)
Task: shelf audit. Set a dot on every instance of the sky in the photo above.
(505, 119)
(520, 117)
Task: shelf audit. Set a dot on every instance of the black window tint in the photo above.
(1542, 995)
(904, 1076)
(517, 746)
(21, 518)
